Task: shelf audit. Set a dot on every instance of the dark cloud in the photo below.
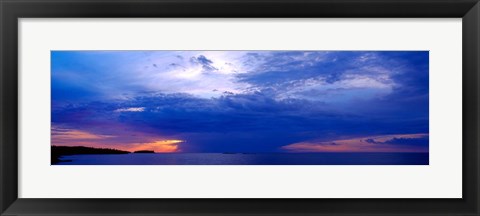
(204, 61)
(422, 141)
(267, 123)
(409, 141)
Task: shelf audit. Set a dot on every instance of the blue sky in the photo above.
(241, 101)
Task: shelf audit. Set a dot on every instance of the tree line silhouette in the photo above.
(58, 151)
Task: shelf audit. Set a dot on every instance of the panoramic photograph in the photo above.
(159, 107)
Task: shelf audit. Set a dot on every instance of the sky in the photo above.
(241, 101)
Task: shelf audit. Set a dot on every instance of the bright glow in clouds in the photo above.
(241, 101)
(132, 109)
(163, 146)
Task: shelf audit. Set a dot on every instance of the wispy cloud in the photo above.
(130, 109)
(383, 143)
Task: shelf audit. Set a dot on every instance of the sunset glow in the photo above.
(159, 146)
(384, 143)
(68, 137)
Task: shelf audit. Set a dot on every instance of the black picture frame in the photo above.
(12, 10)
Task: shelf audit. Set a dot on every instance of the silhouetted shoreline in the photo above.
(58, 151)
(144, 151)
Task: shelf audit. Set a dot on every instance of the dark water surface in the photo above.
(249, 159)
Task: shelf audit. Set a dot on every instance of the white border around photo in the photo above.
(442, 178)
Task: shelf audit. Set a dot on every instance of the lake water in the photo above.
(249, 159)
